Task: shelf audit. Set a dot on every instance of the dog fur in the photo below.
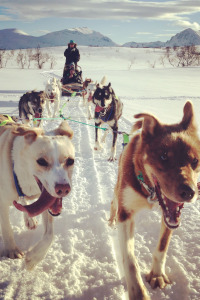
(168, 158)
(108, 110)
(89, 87)
(31, 105)
(43, 165)
(52, 94)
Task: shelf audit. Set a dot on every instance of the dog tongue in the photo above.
(98, 108)
(90, 98)
(44, 202)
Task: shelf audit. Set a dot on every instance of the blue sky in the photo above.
(122, 21)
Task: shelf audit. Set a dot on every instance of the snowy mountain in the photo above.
(144, 45)
(15, 39)
(186, 37)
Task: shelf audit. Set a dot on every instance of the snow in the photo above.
(20, 32)
(83, 262)
(84, 30)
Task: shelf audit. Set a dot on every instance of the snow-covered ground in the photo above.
(83, 263)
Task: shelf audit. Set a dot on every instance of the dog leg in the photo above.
(38, 252)
(56, 108)
(48, 107)
(113, 148)
(10, 248)
(84, 98)
(157, 276)
(103, 139)
(89, 111)
(113, 212)
(135, 285)
(97, 133)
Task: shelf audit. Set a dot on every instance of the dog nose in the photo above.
(39, 110)
(186, 192)
(62, 189)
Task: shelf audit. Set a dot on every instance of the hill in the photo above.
(16, 39)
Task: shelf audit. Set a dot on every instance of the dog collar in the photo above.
(18, 187)
(152, 198)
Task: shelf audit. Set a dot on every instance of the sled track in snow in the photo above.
(92, 174)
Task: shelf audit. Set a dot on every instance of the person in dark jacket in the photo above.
(71, 75)
(72, 54)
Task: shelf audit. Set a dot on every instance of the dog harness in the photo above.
(18, 187)
(152, 198)
(3, 123)
(102, 114)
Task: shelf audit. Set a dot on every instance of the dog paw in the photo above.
(111, 158)
(157, 280)
(31, 260)
(31, 223)
(12, 253)
(98, 147)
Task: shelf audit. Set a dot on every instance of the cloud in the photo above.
(4, 18)
(186, 24)
(143, 33)
(96, 9)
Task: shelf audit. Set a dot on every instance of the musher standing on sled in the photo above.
(72, 54)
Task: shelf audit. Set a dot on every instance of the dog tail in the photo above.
(136, 126)
(103, 81)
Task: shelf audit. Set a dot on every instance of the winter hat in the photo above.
(71, 42)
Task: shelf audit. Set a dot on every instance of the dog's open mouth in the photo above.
(52, 97)
(38, 115)
(98, 108)
(90, 97)
(44, 202)
(171, 210)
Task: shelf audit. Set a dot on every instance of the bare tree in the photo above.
(29, 54)
(52, 62)
(21, 58)
(40, 57)
(183, 56)
(132, 61)
(2, 53)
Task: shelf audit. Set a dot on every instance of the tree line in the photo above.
(25, 57)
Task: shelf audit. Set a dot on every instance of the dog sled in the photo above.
(72, 82)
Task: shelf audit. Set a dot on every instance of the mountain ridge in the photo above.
(13, 38)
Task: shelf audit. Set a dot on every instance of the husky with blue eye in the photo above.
(159, 166)
(108, 109)
(36, 174)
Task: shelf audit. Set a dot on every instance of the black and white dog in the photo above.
(31, 105)
(108, 110)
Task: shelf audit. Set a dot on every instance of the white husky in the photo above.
(33, 166)
(53, 93)
(88, 102)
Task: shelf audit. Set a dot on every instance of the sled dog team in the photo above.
(159, 166)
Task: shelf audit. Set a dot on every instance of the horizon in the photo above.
(122, 21)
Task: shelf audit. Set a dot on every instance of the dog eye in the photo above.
(164, 156)
(69, 162)
(194, 163)
(42, 162)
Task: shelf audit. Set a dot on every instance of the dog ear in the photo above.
(188, 122)
(29, 134)
(64, 129)
(150, 124)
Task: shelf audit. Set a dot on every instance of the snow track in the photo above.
(82, 262)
